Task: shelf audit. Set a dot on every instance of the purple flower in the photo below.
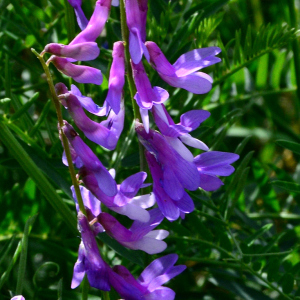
(20, 297)
(92, 206)
(105, 181)
(140, 235)
(146, 96)
(89, 261)
(212, 164)
(149, 285)
(105, 133)
(178, 173)
(81, 18)
(183, 73)
(171, 209)
(81, 74)
(84, 51)
(136, 15)
(125, 202)
(189, 121)
(95, 24)
(116, 77)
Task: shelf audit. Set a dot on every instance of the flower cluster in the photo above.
(173, 167)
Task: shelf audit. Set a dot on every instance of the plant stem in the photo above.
(63, 137)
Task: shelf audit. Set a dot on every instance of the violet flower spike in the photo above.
(105, 133)
(80, 16)
(116, 77)
(89, 260)
(140, 236)
(81, 74)
(125, 202)
(183, 73)
(136, 23)
(106, 183)
(149, 285)
(212, 164)
(189, 121)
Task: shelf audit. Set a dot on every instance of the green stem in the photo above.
(61, 124)
(129, 75)
(296, 49)
(105, 296)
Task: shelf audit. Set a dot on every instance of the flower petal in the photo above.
(195, 60)
(210, 182)
(193, 118)
(131, 185)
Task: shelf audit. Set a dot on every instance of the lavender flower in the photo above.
(140, 235)
(95, 24)
(106, 183)
(213, 164)
(183, 73)
(189, 121)
(125, 202)
(81, 74)
(171, 209)
(149, 285)
(136, 15)
(20, 297)
(178, 173)
(81, 18)
(84, 51)
(89, 261)
(116, 78)
(105, 133)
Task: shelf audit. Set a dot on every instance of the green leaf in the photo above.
(23, 257)
(294, 147)
(287, 283)
(38, 177)
(250, 240)
(288, 186)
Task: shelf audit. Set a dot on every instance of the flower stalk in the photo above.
(61, 124)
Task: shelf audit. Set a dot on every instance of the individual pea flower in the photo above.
(125, 202)
(80, 16)
(88, 159)
(212, 164)
(136, 21)
(89, 260)
(92, 206)
(146, 96)
(171, 209)
(183, 73)
(116, 78)
(95, 24)
(178, 172)
(177, 134)
(20, 297)
(140, 236)
(81, 74)
(86, 102)
(149, 284)
(105, 133)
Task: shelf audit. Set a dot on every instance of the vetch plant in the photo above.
(173, 168)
